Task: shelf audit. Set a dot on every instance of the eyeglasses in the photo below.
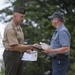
(52, 19)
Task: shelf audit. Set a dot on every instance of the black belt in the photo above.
(7, 50)
(60, 56)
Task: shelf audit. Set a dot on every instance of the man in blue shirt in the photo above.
(59, 48)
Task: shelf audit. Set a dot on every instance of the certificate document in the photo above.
(32, 56)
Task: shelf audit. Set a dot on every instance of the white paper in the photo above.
(32, 56)
(43, 45)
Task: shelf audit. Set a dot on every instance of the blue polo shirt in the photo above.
(60, 38)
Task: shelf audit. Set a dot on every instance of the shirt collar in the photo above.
(59, 27)
(14, 25)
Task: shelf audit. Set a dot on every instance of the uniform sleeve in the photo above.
(64, 38)
(11, 36)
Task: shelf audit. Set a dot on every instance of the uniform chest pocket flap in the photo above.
(19, 34)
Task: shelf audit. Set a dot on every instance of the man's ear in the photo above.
(15, 14)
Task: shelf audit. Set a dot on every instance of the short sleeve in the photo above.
(64, 38)
(11, 36)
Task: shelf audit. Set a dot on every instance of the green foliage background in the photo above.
(37, 27)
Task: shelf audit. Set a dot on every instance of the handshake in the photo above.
(31, 55)
(40, 46)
